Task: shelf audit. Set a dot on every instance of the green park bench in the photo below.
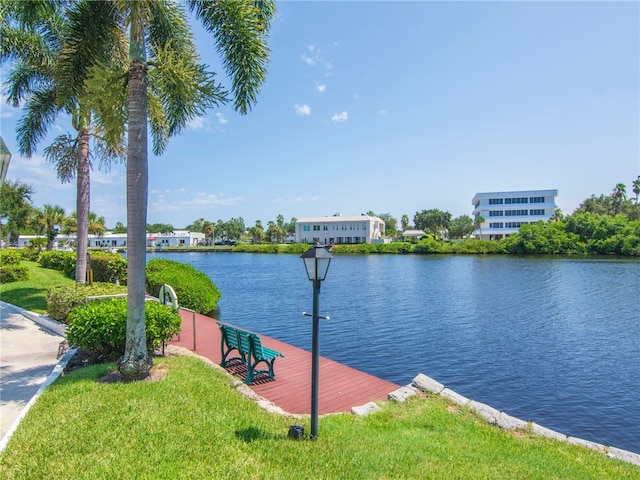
(250, 350)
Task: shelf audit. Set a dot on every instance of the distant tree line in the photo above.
(605, 224)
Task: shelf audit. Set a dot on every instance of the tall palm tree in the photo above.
(34, 36)
(166, 85)
(636, 188)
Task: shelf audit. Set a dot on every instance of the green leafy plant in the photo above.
(13, 273)
(61, 300)
(10, 257)
(64, 262)
(108, 267)
(194, 289)
(100, 326)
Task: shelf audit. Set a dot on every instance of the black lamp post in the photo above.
(316, 261)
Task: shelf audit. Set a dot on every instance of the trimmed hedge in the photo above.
(194, 289)
(13, 273)
(100, 326)
(61, 300)
(10, 256)
(106, 267)
(64, 262)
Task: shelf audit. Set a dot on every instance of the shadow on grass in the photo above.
(252, 434)
(29, 298)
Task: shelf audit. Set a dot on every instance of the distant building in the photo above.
(178, 238)
(340, 229)
(505, 212)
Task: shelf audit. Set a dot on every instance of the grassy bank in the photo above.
(192, 423)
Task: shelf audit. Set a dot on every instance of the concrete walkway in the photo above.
(29, 361)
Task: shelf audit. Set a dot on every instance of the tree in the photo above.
(404, 222)
(15, 208)
(433, 220)
(168, 86)
(257, 232)
(208, 228)
(390, 223)
(479, 220)
(34, 35)
(119, 228)
(49, 219)
(619, 195)
(636, 188)
(461, 226)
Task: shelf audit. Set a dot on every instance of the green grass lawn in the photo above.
(193, 424)
(32, 294)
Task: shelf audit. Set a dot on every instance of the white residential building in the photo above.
(339, 229)
(505, 212)
(177, 238)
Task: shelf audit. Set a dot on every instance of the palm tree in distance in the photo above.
(50, 218)
(33, 35)
(166, 85)
(636, 188)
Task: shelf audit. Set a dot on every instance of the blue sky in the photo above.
(397, 107)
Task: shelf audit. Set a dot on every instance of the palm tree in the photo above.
(50, 218)
(34, 35)
(478, 223)
(619, 195)
(166, 85)
(636, 188)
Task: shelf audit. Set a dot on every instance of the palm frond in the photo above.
(39, 113)
(63, 152)
(240, 29)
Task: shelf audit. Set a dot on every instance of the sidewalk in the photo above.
(28, 360)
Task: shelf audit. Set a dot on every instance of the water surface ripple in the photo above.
(550, 340)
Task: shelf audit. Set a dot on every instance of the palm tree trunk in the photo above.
(136, 363)
(82, 206)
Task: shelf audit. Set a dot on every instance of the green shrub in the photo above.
(359, 248)
(13, 273)
(31, 254)
(396, 247)
(10, 256)
(252, 248)
(64, 262)
(100, 326)
(108, 267)
(61, 300)
(194, 289)
(298, 248)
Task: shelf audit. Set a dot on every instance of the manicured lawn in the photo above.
(32, 294)
(194, 424)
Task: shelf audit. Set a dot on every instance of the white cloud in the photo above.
(340, 117)
(382, 112)
(199, 123)
(302, 110)
(321, 88)
(222, 120)
(308, 60)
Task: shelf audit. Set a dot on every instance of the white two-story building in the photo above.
(505, 212)
(178, 238)
(339, 229)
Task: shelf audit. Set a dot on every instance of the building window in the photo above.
(537, 211)
(516, 200)
(325, 227)
(515, 224)
(495, 201)
(316, 228)
(496, 225)
(516, 213)
(536, 200)
(496, 213)
(477, 204)
(306, 228)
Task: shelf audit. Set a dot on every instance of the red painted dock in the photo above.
(340, 389)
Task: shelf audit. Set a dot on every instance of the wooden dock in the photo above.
(340, 389)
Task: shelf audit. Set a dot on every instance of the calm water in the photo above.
(551, 340)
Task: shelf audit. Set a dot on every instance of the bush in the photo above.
(100, 326)
(252, 248)
(64, 262)
(194, 289)
(61, 300)
(396, 247)
(108, 267)
(13, 273)
(30, 254)
(10, 256)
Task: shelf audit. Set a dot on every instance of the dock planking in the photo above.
(341, 387)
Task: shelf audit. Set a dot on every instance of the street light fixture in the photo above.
(5, 157)
(316, 262)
